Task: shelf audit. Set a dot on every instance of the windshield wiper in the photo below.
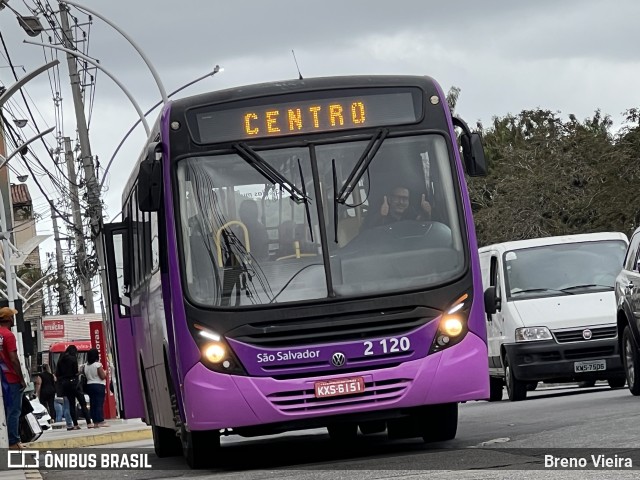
(588, 285)
(532, 290)
(362, 165)
(267, 171)
(306, 203)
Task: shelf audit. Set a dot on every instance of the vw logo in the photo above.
(338, 359)
(587, 334)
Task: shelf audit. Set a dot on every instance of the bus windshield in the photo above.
(246, 241)
(563, 269)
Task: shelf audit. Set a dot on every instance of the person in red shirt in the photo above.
(12, 374)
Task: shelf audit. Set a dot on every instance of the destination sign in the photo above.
(308, 116)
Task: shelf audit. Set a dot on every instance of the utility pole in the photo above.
(93, 191)
(81, 248)
(64, 305)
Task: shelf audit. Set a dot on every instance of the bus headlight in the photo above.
(453, 324)
(214, 352)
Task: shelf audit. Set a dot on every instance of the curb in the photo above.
(93, 440)
(32, 475)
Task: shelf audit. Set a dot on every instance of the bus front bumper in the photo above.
(219, 401)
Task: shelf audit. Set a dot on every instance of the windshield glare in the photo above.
(564, 269)
(246, 242)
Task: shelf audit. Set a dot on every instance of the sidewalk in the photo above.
(20, 475)
(118, 431)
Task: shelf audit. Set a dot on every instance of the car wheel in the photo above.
(516, 389)
(631, 361)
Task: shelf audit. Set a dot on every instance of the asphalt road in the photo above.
(494, 441)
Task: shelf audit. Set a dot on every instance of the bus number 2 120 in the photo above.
(387, 345)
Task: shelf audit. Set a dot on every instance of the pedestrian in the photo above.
(67, 373)
(12, 375)
(96, 387)
(45, 389)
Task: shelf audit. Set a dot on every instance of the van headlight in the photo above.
(532, 334)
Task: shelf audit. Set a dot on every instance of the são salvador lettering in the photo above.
(596, 461)
(283, 356)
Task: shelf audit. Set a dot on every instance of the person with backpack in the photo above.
(68, 376)
(45, 389)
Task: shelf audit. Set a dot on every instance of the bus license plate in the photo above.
(592, 366)
(340, 386)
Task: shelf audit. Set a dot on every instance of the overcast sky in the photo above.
(505, 56)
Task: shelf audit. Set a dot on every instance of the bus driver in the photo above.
(395, 207)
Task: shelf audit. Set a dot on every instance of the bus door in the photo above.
(129, 389)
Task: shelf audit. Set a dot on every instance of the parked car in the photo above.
(551, 311)
(628, 305)
(40, 413)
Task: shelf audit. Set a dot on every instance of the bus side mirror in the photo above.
(492, 303)
(473, 154)
(150, 180)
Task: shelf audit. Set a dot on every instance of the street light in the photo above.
(154, 72)
(107, 72)
(29, 23)
(20, 122)
(10, 273)
(217, 69)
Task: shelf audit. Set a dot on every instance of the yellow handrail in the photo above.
(219, 234)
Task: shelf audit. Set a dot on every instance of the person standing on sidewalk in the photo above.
(96, 387)
(12, 374)
(46, 389)
(67, 374)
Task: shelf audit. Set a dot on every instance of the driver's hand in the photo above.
(425, 205)
(384, 209)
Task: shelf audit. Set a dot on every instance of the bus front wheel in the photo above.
(200, 447)
(440, 422)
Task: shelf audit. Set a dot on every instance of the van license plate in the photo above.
(592, 366)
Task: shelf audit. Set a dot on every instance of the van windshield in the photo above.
(563, 269)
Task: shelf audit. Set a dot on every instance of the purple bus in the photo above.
(300, 254)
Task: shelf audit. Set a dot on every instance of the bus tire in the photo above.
(165, 441)
(631, 360)
(496, 386)
(516, 389)
(440, 422)
(343, 432)
(200, 448)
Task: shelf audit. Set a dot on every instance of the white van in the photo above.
(551, 312)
